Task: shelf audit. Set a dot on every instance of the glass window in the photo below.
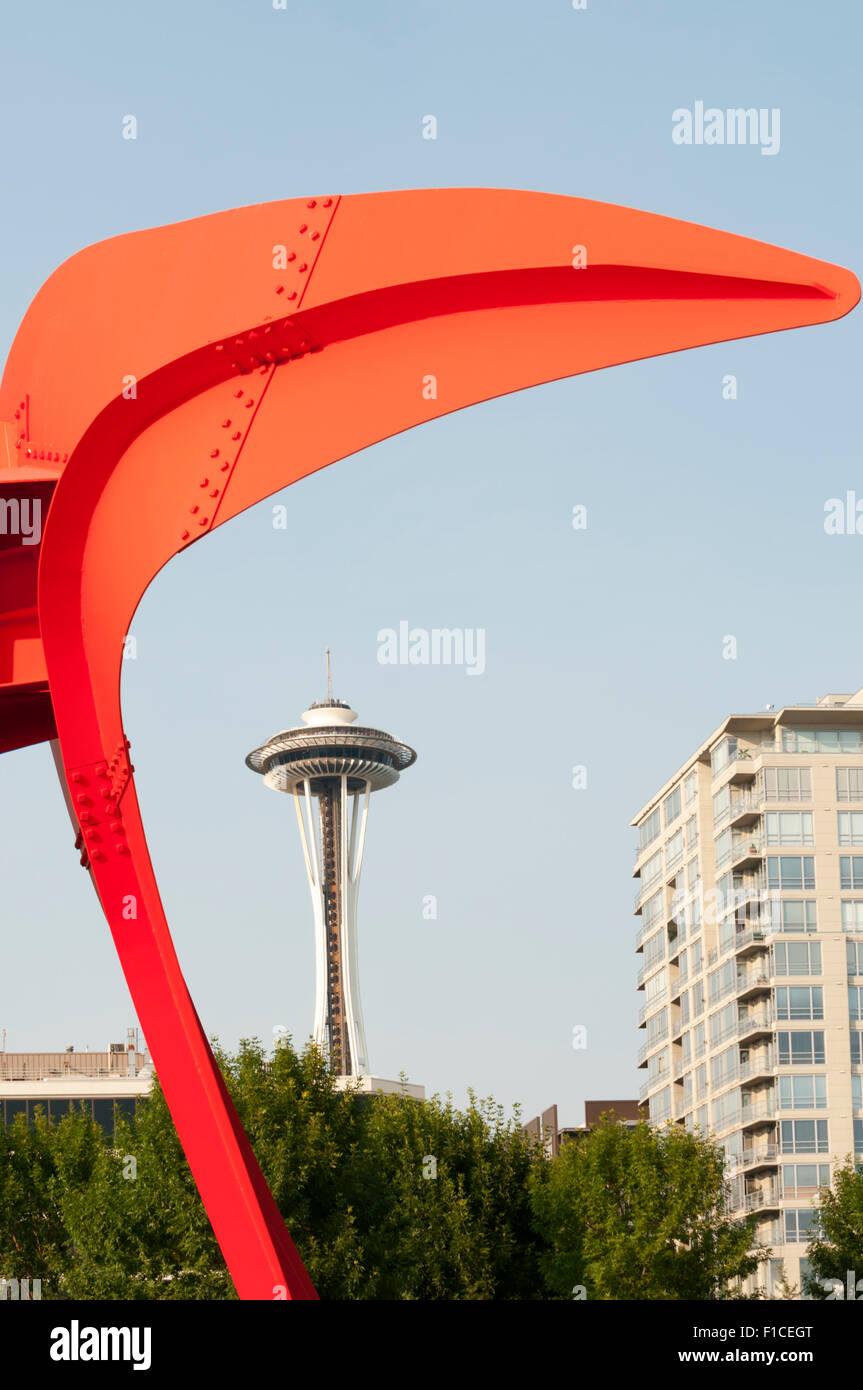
(856, 1048)
(822, 741)
(855, 1003)
(801, 1224)
(690, 787)
(852, 915)
(793, 914)
(791, 827)
(804, 1179)
(851, 871)
(799, 1001)
(857, 1093)
(787, 784)
(721, 804)
(15, 1107)
(849, 784)
(103, 1113)
(804, 1136)
(797, 957)
(854, 952)
(801, 1048)
(791, 872)
(692, 832)
(674, 850)
(671, 806)
(652, 870)
(850, 827)
(722, 847)
(803, 1092)
(858, 1136)
(649, 829)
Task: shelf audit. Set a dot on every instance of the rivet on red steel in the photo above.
(214, 453)
(304, 227)
(311, 203)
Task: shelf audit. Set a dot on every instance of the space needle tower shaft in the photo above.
(331, 767)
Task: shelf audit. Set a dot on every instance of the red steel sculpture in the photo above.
(164, 381)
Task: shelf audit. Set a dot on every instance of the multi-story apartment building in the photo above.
(750, 907)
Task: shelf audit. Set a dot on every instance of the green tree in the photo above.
(639, 1213)
(837, 1244)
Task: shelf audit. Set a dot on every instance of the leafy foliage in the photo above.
(838, 1246)
(386, 1198)
(639, 1214)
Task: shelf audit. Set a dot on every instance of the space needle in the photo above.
(331, 766)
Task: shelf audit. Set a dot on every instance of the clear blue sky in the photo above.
(604, 647)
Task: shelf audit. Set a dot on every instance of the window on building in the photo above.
(722, 849)
(721, 805)
(654, 950)
(857, 1093)
(854, 952)
(652, 912)
(855, 1003)
(724, 1067)
(698, 1035)
(800, 1048)
(804, 1136)
(856, 1048)
(788, 873)
(850, 827)
(671, 806)
(652, 869)
(649, 829)
(674, 851)
(656, 986)
(801, 1224)
(858, 1136)
(793, 914)
(660, 1105)
(849, 784)
(787, 784)
(852, 915)
(822, 741)
(791, 827)
(690, 787)
(799, 1002)
(804, 1179)
(851, 871)
(701, 1081)
(803, 1092)
(722, 980)
(657, 1027)
(692, 833)
(722, 754)
(797, 957)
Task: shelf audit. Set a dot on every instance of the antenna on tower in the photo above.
(329, 676)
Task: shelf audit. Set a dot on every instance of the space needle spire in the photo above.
(331, 767)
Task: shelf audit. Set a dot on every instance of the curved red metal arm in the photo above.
(164, 381)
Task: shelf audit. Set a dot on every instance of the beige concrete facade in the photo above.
(750, 938)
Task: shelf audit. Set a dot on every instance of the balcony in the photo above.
(642, 1055)
(761, 1067)
(751, 940)
(745, 809)
(755, 1025)
(766, 1200)
(755, 980)
(753, 1115)
(747, 851)
(642, 1014)
(765, 1156)
(643, 1090)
